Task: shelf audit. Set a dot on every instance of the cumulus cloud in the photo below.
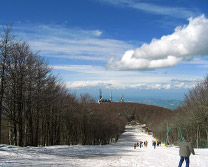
(185, 43)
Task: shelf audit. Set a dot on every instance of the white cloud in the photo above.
(148, 7)
(98, 76)
(160, 86)
(198, 62)
(195, 80)
(84, 49)
(100, 72)
(185, 43)
(96, 84)
(98, 33)
(72, 43)
(86, 69)
(113, 84)
(95, 77)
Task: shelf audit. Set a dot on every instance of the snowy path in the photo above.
(120, 154)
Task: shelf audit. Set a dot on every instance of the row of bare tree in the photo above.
(37, 109)
(191, 117)
(194, 120)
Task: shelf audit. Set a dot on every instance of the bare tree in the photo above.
(6, 40)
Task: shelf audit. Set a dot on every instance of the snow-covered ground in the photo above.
(120, 154)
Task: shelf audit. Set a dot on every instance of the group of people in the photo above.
(140, 144)
(156, 143)
(145, 143)
(185, 151)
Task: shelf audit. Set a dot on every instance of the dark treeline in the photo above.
(191, 117)
(37, 109)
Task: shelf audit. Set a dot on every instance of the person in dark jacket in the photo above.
(154, 144)
(185, 151)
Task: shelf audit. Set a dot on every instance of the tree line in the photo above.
(191, 116)
(36, 108)
(194, 111)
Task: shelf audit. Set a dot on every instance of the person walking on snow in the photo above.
(140, 144)
(185, 151)
(146, 143)
(154, 144)
(135, 145)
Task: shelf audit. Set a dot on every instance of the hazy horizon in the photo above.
(164, 98)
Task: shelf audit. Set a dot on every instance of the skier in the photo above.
(185, 151)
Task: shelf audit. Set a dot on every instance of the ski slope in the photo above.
(120, 154)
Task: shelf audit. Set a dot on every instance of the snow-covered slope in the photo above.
(120, 154)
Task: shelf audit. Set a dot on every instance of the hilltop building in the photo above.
(122, 99)
(102, 100)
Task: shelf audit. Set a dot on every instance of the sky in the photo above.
(134, 48)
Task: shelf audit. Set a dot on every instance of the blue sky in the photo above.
(117, 45)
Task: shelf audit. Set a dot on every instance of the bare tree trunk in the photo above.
(197, 137)
(207, 136)
(5, 41)
(1, 100)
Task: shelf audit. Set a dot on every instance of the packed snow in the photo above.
(120, 154)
